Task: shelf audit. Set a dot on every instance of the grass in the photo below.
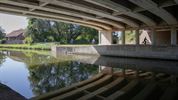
(42, 52)
(37, 46)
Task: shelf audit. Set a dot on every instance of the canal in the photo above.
(32, 73)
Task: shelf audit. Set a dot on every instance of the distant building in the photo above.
(15, 37)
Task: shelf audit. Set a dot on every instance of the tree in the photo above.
(2, 34)
(28, 40)
(52, 31)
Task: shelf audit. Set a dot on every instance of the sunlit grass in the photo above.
(40, 46)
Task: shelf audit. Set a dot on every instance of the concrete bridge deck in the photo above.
(122, 85)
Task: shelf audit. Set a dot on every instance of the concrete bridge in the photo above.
(158, 17)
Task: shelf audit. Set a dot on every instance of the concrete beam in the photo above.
(49, 18)
(166, 3)
(176, 1)
(173, 36)
(110, 5)
(80, 7)
(105, 37)
(52, 15)
(119, 9)
(153, 8)
(61, 11)
(41, 4)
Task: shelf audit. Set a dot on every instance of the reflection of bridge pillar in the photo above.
(137, 37)
(105, 69)
(153, 36)
(123, 37)
(173, 36)
(173, 79)
(123, 72)
(105, 37)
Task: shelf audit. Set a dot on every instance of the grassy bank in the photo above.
(37, 46)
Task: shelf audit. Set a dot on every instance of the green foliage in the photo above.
(130, 37)
(2, 58)
(52, 76)
(51, 31)
(2, 34)
(28, 40)
(51, 38)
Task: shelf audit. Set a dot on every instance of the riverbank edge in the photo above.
(130, 51)
(6, 93)
(24, 47)
(39, 46)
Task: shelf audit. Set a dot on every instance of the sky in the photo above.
(12, 22)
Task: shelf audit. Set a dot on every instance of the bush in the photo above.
(28, 40)
(3, 41)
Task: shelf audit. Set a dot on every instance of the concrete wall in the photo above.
(163, 38)
(158, 52)
(177, 37)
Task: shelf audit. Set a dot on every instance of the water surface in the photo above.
(34, 73)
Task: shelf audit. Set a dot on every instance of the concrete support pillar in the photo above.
(137, 37)
(153, 36)
(173, 36)
(123, 37)
(105, 37)
(99, 36)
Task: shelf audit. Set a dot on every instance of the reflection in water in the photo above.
(44, 72)
(2, 58)
(159, 66)
(48, 77)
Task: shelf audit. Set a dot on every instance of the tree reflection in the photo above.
(46, 73)
(48, 77)
(2, 58)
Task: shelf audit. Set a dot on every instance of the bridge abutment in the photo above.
(105, 37)
(163, 45)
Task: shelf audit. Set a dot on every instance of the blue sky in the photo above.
(12, 22)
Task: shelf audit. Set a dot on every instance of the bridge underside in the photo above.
(157, 19)
(99, 14)
(103, 15)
